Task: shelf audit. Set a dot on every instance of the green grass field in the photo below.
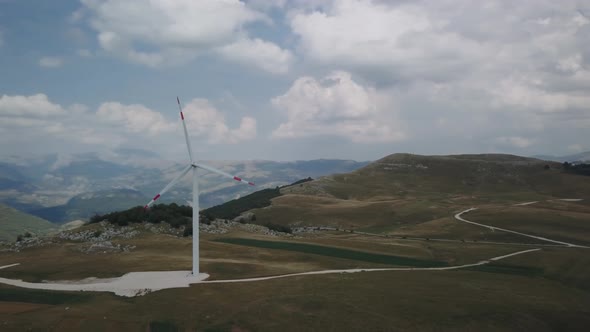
(425, 301)
(537, 220)
(335, 252)
(538, 291)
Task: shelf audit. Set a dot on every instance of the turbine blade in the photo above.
(188, 141)
(211, 169)
(169, 185)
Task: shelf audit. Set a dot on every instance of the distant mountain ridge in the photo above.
(50, 186)
(578, 157)
(84, 206)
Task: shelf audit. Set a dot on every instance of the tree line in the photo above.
(181, 215)
(580, 169)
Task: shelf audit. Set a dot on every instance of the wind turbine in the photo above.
(193, 166)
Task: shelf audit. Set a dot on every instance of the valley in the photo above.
(62, 188)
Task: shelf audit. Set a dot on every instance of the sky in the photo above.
(295, 80)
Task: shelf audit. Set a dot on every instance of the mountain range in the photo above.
(578, 157)
(62, 188)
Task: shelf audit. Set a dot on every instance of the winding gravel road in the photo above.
(140, 283)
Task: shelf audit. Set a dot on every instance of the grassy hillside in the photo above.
(402, 191)
(495, 176)
(258, 199)
(541, 291)
(14, 222)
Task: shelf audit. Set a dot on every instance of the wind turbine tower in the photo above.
(193, 166)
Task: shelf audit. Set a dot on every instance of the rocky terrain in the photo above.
(100, 237)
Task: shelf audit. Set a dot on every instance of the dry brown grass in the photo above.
(541, 291)
(425, 301)
(18, 307)
(537, 219)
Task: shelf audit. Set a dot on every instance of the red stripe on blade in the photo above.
(251, 183)
(181, 115)
(145, 207)
(237, 178)
(156, 197)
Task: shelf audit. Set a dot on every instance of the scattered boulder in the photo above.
(245, 218)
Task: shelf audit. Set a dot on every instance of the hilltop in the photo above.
(496, 176)
(578, 157)
(402, 190)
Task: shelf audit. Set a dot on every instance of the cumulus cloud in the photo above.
(400, 38)
(206, 121)
(156, 33)
(336, 106)
(380, 33)
(530, 95)
(134, 118)
(49, 125)
(515, 141)
(260, 53)
(450, 41)
(514, 68)
(35, 106)
(50, 62)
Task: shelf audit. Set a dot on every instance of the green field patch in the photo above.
(163, 326)
(335, 252)
(527, 271)
(40, 296)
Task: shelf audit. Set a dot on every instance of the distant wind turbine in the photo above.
(195, 204)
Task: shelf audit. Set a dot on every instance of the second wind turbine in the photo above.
(193, 166)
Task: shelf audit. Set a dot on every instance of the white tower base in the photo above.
(195, 223)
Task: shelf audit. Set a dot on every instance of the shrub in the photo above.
(279, 228)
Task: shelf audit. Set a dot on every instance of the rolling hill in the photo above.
(403, 189)
(14, 222)
(494, 176)
(50, 186)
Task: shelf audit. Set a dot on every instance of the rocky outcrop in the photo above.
(245, 218)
